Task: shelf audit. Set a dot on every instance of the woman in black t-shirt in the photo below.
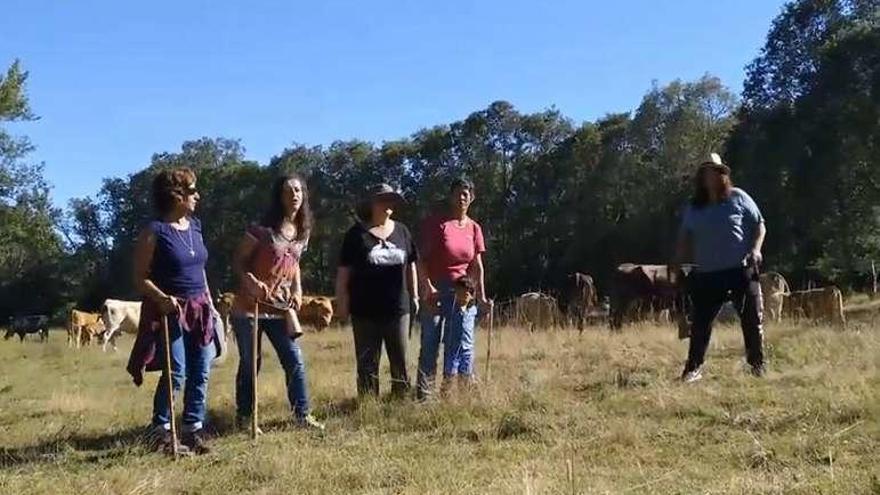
(376, 285)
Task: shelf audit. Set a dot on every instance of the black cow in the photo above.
(24, 325)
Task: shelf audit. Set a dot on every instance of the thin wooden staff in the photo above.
(255, 342)
(167, 338)
(489, 340)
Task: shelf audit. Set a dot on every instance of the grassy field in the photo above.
(563, 413)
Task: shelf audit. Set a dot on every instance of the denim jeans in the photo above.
(458, 342)
(190, 364)
(432, 323)
(289, 354)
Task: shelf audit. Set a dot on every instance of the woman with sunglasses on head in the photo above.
(267, 265)
(169, 272)
(376, 285)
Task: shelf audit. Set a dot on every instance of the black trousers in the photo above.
(369, 336)
(708, 292)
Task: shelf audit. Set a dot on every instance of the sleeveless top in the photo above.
(178, 266)
(274, 262)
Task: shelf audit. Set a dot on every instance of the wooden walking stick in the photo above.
(167, 337)
(489, 340)
(255, 342)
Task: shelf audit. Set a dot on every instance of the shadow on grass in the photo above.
(76, 447)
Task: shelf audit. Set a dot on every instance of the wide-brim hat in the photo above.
(383, 191)
(713, 162)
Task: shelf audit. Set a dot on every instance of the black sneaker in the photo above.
(243, 423)
(757, 370)
(196, 442)
(160, 441)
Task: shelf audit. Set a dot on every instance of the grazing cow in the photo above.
(24, 325)
(316, 311)
(91, 331)
(774, 290)
(119, 316)
(224, 306)
(824, 304)
(582, 299)
(76, 323)
(638, 291)
(537, 310)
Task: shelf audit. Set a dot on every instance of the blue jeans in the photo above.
(289, 354)
(190, 363)
(458, 342)
(432, 323)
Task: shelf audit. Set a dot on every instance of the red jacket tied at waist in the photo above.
(195, 316)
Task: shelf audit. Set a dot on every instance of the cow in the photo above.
(90, 332)
(316, 311)
(224, 305)
(119, 316)
(582, 299)
(774, 290)
(638, 291)
(537, 310)
(24, 325)
(77, 322)
(823, 304)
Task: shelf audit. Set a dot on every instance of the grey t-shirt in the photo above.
(723, 233)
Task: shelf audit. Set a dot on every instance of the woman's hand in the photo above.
(485, 304)
(168, 305)
(296, 301)
(256, 288)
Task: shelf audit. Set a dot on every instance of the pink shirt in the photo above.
(448, 250)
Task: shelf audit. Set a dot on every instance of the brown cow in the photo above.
(774, 290)
(582, 299)
(90, 332)
(76, 324)
(316, 311)
(824, 304)
(638, 291)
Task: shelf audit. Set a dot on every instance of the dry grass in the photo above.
(564, 413)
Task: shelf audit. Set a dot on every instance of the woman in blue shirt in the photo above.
(722, 233)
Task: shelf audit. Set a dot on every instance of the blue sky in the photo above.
(115, 81)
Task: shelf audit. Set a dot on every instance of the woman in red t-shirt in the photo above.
(451, 247)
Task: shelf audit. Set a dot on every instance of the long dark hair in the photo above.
(701, 193)
(274, 216)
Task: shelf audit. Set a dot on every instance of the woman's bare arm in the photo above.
(343, 276)
(143, 259)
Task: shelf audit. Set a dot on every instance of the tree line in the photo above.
(555, 196)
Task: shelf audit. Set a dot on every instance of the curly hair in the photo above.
(274, 216)
(170, 186)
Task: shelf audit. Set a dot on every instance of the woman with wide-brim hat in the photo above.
(376, 285)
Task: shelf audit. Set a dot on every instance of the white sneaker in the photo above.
(692, 376)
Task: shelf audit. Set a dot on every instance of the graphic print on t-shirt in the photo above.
(386, 253)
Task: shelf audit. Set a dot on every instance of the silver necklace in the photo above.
(191, 246)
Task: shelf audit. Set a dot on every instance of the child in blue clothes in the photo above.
(458, 338)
